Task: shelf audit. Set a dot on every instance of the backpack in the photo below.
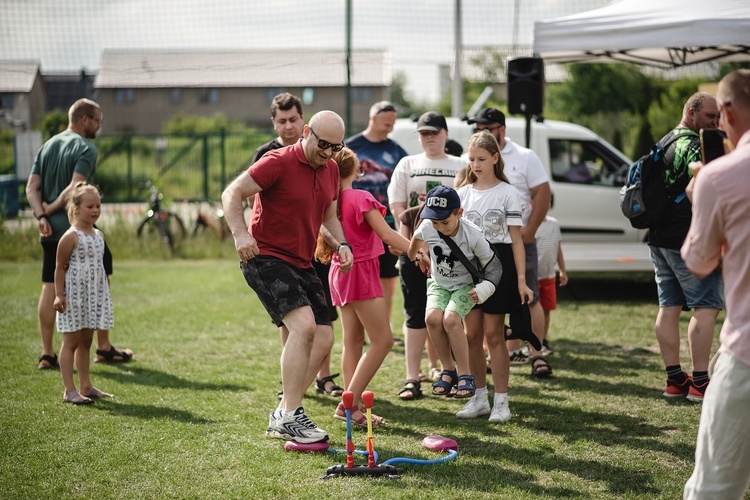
(644, 198)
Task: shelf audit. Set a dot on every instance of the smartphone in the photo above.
(712, 144)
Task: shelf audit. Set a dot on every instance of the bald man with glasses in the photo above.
(297, 190)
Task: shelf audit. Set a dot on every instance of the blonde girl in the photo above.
(358, 293)
(82, 298)
(493, 204)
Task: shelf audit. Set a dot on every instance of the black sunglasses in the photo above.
(488, 129)
(325, 144)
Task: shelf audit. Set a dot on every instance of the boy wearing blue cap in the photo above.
(451, 292)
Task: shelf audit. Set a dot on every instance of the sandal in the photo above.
(517, 357)
(113, 355)
(47, 362)
(468, 387)
(434, 374)
(95, 393)
(445, 385)
(334, 390)
(412, 390)
(540, 367)
(77, 398)
(359, 421)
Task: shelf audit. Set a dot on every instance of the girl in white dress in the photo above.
(82, 299)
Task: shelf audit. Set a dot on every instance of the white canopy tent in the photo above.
(664, 33)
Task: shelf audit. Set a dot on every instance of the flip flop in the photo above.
(96, 394)
(77, 398)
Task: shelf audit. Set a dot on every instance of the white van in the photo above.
(586, 173)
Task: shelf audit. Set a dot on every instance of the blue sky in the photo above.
(68, 35)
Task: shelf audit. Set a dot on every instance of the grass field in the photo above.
(189, 413)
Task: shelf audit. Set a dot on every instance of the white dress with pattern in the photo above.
(89, 303)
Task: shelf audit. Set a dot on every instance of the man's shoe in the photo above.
(500, 412)
(517, 357)
(696, 392)
(296, 427)
(475, 407)
(676, 390)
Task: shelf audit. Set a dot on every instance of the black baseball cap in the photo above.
(440, 203)
(488, 115)
(431, 121)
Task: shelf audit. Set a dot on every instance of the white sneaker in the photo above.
(500, 412)
(296, 426)
(474, 408)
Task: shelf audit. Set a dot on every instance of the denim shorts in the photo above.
(283, 287)
(677, 286)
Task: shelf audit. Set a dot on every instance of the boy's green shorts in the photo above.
(457, 301)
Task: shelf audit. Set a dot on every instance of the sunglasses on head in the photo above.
(325, 144)
(386, 109)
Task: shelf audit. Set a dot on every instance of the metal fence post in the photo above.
(223, 160)
(129, 153)
(205, 166)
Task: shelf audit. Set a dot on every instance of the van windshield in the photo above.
(585, 162)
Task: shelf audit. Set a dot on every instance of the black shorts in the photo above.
(322, 271)
(50, 261)
(532, 269)
(283, 287)
(506, 293)
(414, 289)
(388, 264)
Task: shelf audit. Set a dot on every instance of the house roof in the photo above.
(18, 76)
(241, 68)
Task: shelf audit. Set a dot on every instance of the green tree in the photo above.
(602, 88)
(406, 106)
(727, 68)
(472, 91)
(666, 111)
(53, 123)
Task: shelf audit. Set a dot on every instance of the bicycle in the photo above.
(168, 225)
(216, 223)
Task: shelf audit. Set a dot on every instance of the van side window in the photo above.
(585, 162)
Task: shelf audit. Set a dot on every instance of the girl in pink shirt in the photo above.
(358, 293)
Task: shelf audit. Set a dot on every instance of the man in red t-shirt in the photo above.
(297, 191)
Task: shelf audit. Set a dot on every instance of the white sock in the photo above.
(500, 397)
(481, 392)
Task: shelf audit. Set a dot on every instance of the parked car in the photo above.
(586, 174)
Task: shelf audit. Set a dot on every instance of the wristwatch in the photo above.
(344, 244)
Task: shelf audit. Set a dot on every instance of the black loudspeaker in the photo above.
(525, 85)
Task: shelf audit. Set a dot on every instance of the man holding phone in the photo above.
(678, 289)
(718, 235)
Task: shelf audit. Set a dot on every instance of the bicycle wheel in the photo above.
(147, 222)
(172, 229)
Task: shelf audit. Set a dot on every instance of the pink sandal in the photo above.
(361, 420)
